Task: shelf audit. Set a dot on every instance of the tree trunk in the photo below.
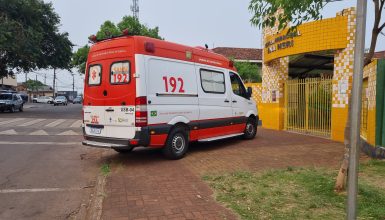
(342, 173)
(378, 7)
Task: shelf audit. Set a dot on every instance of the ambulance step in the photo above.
(103, 145)
(220, 137)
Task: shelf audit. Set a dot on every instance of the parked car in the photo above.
(60, 100)
(45, 99)
(77, 100)
(24, 97)
(11, 102)
(34, 100)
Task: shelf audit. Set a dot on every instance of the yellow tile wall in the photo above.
(326, 34)
(370, 72)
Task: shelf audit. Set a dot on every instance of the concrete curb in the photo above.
(95, 205)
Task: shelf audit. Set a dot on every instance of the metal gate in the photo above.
(308, 106)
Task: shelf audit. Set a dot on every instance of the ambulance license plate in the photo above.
(95, 130)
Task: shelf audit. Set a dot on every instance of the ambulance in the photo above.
(141, 91)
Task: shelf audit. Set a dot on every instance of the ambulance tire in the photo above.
(177, 143)
(251, 129)
(123, 151)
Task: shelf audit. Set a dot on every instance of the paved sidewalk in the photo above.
(143, 185)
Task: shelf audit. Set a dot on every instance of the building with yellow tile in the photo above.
(307, 76)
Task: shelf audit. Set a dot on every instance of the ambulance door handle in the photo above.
(227, 101)
(110, 110)
(234, 101)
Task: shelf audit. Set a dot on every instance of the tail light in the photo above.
(141, 111)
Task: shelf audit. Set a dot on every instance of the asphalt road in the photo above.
(45, 172)
(48, 111)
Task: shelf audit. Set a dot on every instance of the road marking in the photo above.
(76, 124)
(68, 133)
(11, 121)
(39, 132)
(55, 123)
(29, 123)
(3, 191)
(38, 143)
(9, 132)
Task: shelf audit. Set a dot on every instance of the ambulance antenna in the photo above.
(135, 9)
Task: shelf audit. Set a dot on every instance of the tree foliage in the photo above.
(294, 12)
(249, 72)
(33, 84)
(30, 38)
(107, 30)
(79, 58)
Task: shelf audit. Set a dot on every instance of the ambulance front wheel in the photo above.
(250, 129)
(176, 144)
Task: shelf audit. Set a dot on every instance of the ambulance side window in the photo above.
(212, 81)
(237, 85)
(94, 75)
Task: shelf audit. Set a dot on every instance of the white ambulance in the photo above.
(141, 91)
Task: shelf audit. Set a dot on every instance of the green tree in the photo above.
(30, 38)
(297, 12)
(249, 72)
(33, 84)
(79, 58)
(109, 29)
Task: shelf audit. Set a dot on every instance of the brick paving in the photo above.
(144, 185)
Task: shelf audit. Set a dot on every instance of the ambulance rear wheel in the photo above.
(177, 144)
(250, 129)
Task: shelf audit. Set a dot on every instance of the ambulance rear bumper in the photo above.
(142, 138)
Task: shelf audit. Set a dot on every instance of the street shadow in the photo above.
(142, 156)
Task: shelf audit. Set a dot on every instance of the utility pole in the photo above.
(73, 84)
(355, 116)
(45, 78)
(54, 84)
(36, 86)
(135, 9)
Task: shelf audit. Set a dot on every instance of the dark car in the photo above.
(11, 102)
(77, 100)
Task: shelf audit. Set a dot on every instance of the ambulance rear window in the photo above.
(120, 72)
(94, 75)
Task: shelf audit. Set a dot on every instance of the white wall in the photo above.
(9, 81)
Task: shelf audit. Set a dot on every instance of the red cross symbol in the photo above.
(93, 75)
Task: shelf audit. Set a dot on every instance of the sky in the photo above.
(217, 23)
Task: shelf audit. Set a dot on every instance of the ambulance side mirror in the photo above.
(249, 92)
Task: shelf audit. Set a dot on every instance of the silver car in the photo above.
(11, 102)
(60, 100)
